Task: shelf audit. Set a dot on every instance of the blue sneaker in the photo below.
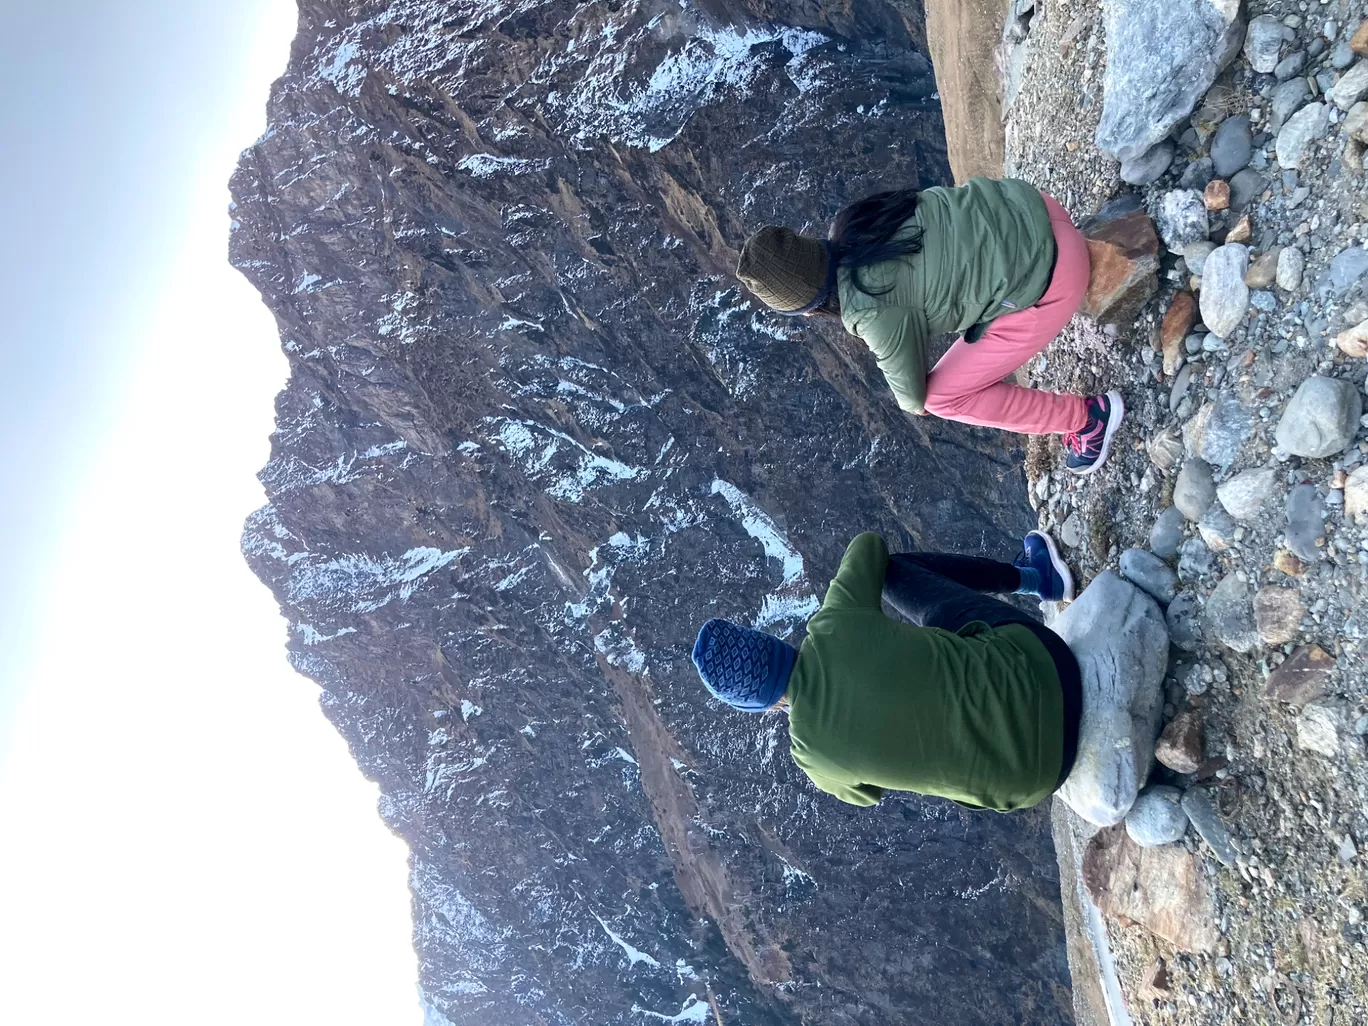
(1086, 450)
(1041, 555)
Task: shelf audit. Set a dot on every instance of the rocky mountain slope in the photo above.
(1239, 496)
(534, 434)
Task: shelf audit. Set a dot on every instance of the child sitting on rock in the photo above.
(971, 701)
(996, 260)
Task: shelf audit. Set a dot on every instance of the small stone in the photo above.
(1320, 727)
(1305, 522)
(1341, 56)
(1232, 145)
(1356, 496)
(1167, 533)
(1285, 101)
(1225, 296)
(1166, 449)
(1358, 42)
(1347, 269)
(1245, 494)
(1195, 489)
(1123, 252)
(1303, 677)
(1241, 231)
(1290, 66)
(1182, 619)
(1180, 746)
(1263, 43)
(1157, 817)
(1197, 174)
(1196, 253)
(1150, 574)
(1178, 321)
(1182, 218)
(1356, 122)
(1181, 382)
(1291, 263)
(1216, 195)
(1321, 418)
(1149, 166)
(1264, 270)
(1217, 529)
(1352, 87)
(1354, 341)
(1230, 615)
(1071, 533)
(1288, 562)
(1205, 820)
(1245, 187)
(1347, 849)
(1194, 559)
(1302, 129)
(1220, 430)
(1278, 614)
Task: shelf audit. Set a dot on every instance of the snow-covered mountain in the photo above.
(534, 434)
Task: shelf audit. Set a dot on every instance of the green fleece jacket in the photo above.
(975, 716)
(987, 249)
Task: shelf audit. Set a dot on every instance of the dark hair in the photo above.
(863, 233)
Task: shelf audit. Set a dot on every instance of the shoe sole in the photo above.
(1118, 414)
(1057, 561)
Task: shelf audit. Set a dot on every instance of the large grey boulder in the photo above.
(1118, 635)
(1161, 59)
(1321, 418)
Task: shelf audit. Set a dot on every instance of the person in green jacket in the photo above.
(996, 261)
(969, 700)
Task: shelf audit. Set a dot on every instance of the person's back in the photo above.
(875, 703)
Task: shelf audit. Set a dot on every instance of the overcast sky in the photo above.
(186, 838)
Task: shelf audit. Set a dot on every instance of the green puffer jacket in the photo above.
(987, 249)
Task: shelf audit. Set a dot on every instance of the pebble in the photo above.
(1157, 817)
(1351, 88)
(1208, 824)
(1263, 43)
(1167, 533)
(1182, 218)
(1278, 613)
(1321, 418)
(1071, 532)
(1347, 269)
(1244, 495)
(1196, 253)
(1232, 145)
(1225, 296)
(1291, 264)
(1149, 166)
(1197, 175)
(1150, 574)
(1181, 617)
(1194, 490)
(1245, 187)
(1194, 559)
(1290, 66)
(1305, 522)
(1286, 99)
(1217, 528)
(1341, 56)
(1301, 130)
(1230, 615)
(1320, 725)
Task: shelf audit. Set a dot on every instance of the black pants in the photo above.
(933, 589)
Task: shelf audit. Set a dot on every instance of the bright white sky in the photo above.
(186, 839)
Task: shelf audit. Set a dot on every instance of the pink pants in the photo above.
(967, 382)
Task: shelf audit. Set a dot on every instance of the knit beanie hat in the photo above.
(746, 668)
(788, 272)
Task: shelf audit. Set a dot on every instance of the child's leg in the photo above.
(967, 383)
(939, 590)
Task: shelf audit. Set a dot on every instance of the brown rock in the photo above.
(1264, 270)
(1358, 42)
(1243, 229)
(1288, 562)
(1156, 980)
(1217, 194)
(1180, 745)
(1302, 678)
(1124, 253)
(1163, 889)
(1178, 321)
(1278, 614)
(1356, 495)
(1354, 342)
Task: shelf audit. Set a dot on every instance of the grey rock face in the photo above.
(1245, 494)
(1232, 145)
(1321, 418)
(1230, 615)
(1162, 57)
(1263, 43)
(1195, 490)
(1351, 88)
(1183, 618)
(1150, 574)
(1182, 219)
(1167, 533)
(1118, 634)
(1202, 812)
(1301, 130)
(1305, 524)
(1291, 265)
(1149, 166)
(1225, 296)
(1157, 817)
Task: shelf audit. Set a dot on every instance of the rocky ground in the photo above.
(1240, 477)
